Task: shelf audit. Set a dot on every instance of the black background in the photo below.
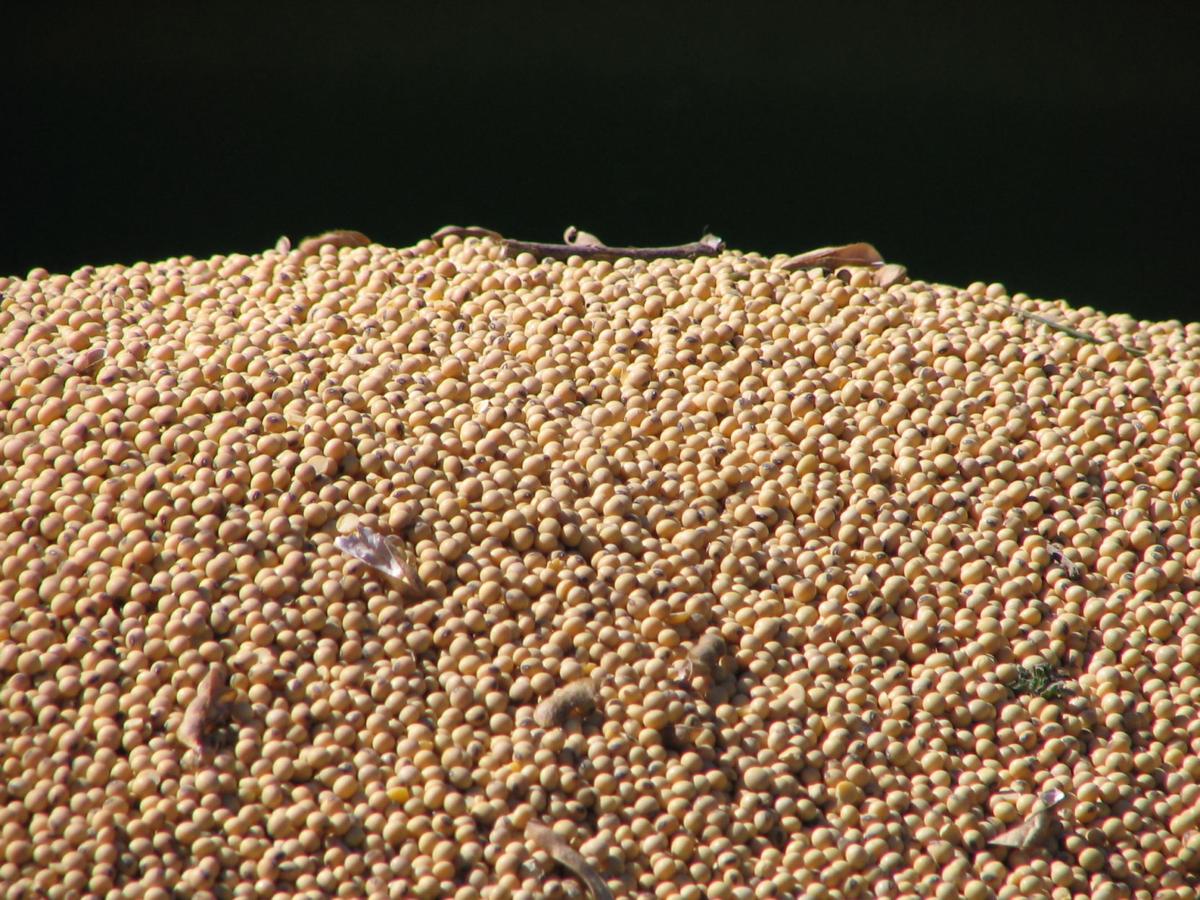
(1046, 146)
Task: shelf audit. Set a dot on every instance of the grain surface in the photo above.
(859, 567)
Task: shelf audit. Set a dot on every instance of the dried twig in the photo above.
(588, 246)
(575, 699)
(561, 852)
(1066, 329)
(466, 231)
(860, 254)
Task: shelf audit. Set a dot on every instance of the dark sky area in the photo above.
(1047, 146)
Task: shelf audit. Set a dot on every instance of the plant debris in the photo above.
(375, 550)
(204, 710)
(577, 242)
(1058, 556)
(1067, 329)
(859, 254)
(588, 246)
(546, 838)
(1041, 680)
(1038, 826)
(890, 275)
(575, 699)
(706, 657)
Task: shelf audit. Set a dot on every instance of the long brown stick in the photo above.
(587, 246)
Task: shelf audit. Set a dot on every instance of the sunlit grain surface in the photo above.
(821, 551)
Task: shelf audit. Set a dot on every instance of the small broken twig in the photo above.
(564, 854)
(588, 246)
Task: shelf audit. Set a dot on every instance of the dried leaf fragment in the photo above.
(373, 549)
(859, 254)
(202, 711)
(890, 275)
(564, 854)
(575, 699)
(1037, 827)
(1059, 558)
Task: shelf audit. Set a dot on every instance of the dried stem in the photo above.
(709, 245)
(588, 246)
(1066, 329)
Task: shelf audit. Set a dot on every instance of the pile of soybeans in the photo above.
(447, 571)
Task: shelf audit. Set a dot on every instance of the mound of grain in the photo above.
(857, 577)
